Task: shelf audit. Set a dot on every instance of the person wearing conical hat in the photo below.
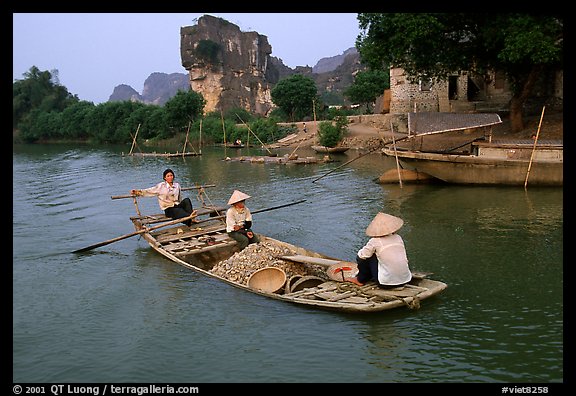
(239, 220)
(383, 258)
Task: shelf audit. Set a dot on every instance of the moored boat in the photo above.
(491, 163)
(480, 159)
(329, 150)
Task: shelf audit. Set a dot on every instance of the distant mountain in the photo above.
(158, 89)
(332, 74)
(325, 65)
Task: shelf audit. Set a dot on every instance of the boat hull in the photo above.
(489, 165)
(329, 150)
(325, 294)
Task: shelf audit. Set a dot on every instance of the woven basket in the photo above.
(268, 279)
(306, 282)
(342, 270)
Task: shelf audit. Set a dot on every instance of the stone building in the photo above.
(464, 92)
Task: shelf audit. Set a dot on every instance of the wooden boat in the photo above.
(480, 160)
(231, 145)
(496, 163)
(206, 248)
(329, 150)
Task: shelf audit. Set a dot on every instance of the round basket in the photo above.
(290, 282)
(342, 270)
(306, 282)
(268, 279)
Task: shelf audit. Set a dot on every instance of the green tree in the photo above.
(183, 108)
(435, 45)
(38, 90)
(367, 86)
(330, 134)
(295, 95)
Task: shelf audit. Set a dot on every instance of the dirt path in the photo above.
(364, 135)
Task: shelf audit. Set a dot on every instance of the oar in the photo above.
(354, 159)
(109, 241)
(176, 221)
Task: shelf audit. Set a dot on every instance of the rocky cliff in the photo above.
(229, 67)
(234, 69)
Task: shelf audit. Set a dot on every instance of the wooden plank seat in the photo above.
(172, 235)
(188, 249)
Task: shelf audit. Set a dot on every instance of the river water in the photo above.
(123, 313)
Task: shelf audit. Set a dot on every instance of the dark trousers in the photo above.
(242, 238)
(367, 269)
(183, 209)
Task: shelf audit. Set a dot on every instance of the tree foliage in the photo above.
(367, 86)
(436, 45)
(295, 95)
(332, 133)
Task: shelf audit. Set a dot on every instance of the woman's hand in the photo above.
(135, 192)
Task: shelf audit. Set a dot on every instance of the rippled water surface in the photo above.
(123, 313)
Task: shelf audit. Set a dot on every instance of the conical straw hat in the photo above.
(237, 196)
(384, 224)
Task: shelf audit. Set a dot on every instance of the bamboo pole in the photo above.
(248, 126)
(224, 130)
(200, 143)
(315, 126)
(396, 155)
(134, 140)
(534, 147)
(183, 189)
(354, 159)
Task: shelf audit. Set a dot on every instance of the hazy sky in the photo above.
(95, 52)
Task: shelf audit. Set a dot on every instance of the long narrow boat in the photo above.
(482, 160)
(277, 269)
(495, 163)
(330, 150)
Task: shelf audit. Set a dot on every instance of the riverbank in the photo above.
(367, 132)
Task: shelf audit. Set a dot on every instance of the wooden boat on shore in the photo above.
(491, 163)
(480, 160)
(277, 269)
(329, 150)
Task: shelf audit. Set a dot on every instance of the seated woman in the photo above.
(383, 258)
(169, 198)
(239, 220)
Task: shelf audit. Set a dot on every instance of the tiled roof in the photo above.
(435, 122)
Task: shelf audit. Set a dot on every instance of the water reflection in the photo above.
(129, 314)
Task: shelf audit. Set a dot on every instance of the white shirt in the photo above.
(167, 196)
(235, 216)
(392, 261)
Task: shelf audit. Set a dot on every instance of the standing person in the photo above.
(169, 197)
(304, 127)
(383, 258)
(239, 220)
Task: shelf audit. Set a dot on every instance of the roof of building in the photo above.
(436, 122)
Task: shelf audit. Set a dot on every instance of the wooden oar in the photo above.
(172, 222)
(109, 241)
(183, 189)
(354, 159)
